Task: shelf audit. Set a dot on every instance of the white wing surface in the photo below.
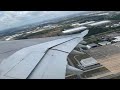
(42, 61)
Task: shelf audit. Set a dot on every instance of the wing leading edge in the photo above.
(42, 61)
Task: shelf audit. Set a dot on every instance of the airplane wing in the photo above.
(7, 48)
(42, 61)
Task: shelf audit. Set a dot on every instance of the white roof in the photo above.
(117, 39)
(104, 43)
(88, 22)
(103, 14)
(81, 24)
(91, 45)
(74, 24)
(99, 23)
(74, 29)
(88, 62)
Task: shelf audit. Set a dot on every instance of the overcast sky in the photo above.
(10, 19)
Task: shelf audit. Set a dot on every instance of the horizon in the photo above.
(12, 19)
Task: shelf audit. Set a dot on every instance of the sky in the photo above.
(9, 19)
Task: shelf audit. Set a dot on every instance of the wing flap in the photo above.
(24, 68)
(51, 67)
(68, 46)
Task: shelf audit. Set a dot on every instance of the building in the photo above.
(75, 24)
(88, 63)
(116, 39)
(81, 46)
(107, 26)
(82, 24)
(109, 58)
(100, 23)
(83, 42)
(91, 45)
(104, 43)
(103, 14)
(86, 23)
(74, 30)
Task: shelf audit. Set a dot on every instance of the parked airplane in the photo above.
(46, 60)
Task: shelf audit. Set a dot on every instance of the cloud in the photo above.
(10, 19)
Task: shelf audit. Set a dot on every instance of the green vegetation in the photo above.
(96, 30)
(100, 30)
(42, 34)
(114, 17)
(92, 39)
(66, 24)
(95, 34)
